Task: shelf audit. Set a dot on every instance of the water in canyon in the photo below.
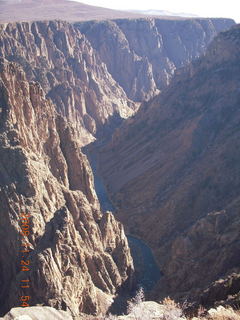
(147, 272)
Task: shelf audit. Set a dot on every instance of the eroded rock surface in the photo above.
(70, 72)
(75, 253)
(173, 171)
(222, 292)
(142, 54)
(64, 96)
(37, 313)
(133, 59)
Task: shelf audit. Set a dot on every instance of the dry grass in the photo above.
(222, 313)
(170, 310)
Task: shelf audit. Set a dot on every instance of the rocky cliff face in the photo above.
(173, 171)
(56, 95)
(92, 89)
(70, 72)
(78, 256)
(142, 54)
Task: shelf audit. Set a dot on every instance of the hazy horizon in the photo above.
(204, 8)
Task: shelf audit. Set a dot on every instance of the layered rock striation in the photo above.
(173, 171)
(60, 90)
(93, 78)
(142, 54)
(78, 256)
(70, 72)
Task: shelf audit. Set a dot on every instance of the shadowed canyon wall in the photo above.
(57, 94)
(142, 54)
(173, 171)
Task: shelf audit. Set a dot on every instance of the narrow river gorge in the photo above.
(147, 272)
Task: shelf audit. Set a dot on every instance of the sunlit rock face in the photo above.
(94, 89)
(73, 246)
(57, 94)
(70, 73)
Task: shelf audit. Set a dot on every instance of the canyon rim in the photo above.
(119, 161)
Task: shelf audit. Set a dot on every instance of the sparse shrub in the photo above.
(221, 313)
(201, 311)
(136, 309)
(139, 298)
(171, 310)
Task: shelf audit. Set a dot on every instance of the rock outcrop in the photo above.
(78, 256)
(149, 49)
(145, 310)
(60, 91)
(173, 171)
(37, 313)
(222, 292)
(70, 72)
(90, 87)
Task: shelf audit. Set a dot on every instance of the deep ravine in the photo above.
(147, 272)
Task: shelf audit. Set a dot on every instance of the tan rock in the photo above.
(44, 173)
(70, 72)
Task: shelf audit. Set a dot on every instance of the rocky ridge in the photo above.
(150, 49)
(174, 169)
(63, 98)
(33, 10)
(78, 256)
(70, 72)
(84, 77)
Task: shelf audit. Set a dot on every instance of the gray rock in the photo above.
(37, 313)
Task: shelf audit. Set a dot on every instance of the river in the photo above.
(147, 272)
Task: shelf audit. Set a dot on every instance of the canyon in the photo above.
(150, 49)
(59, 57)
(83, 86)
(79, 257)
(172, 172)
(116, 99)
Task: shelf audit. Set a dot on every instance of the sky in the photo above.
(203, 8)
